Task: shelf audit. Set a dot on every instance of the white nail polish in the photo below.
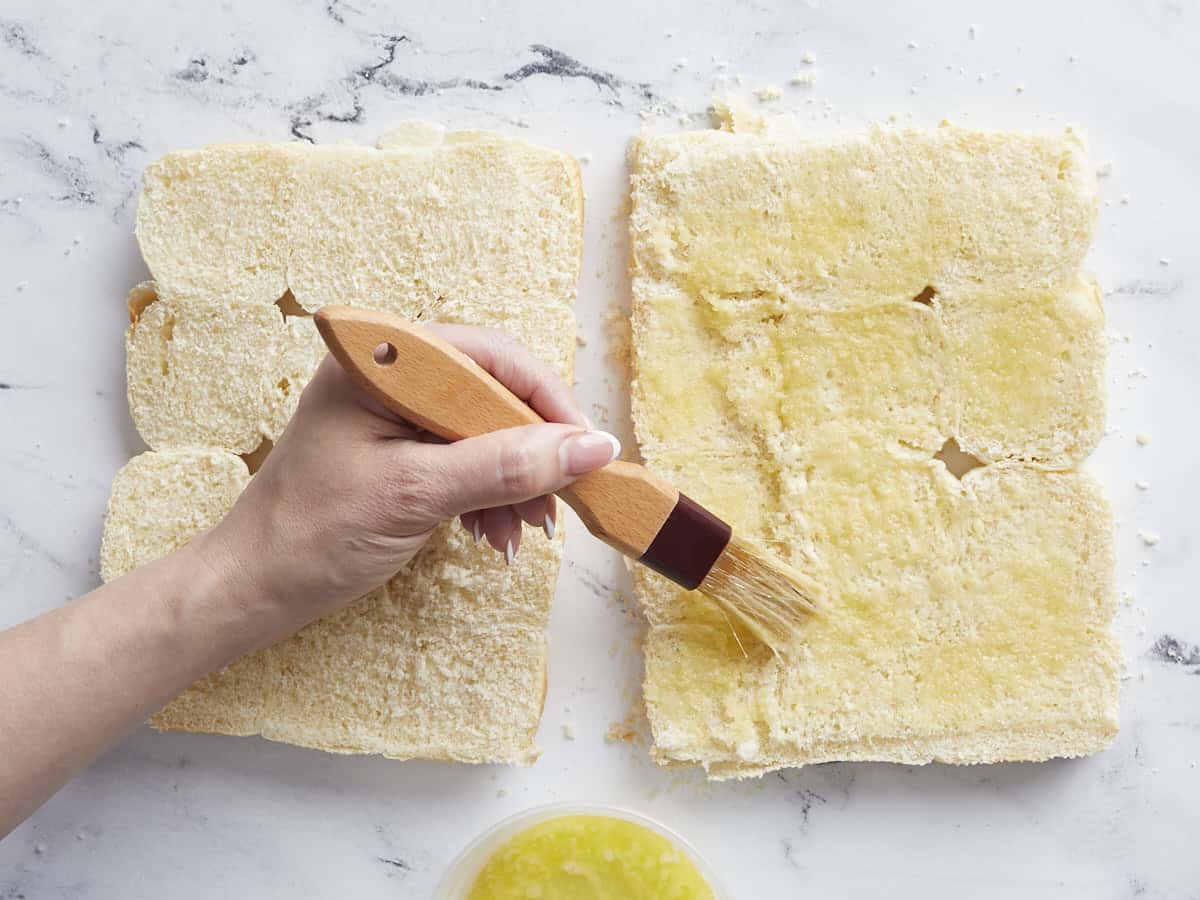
(509, 553)
(548, 526)
(477, 531)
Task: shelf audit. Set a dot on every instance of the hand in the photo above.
(351, 492)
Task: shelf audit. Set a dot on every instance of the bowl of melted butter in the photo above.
(572, 852)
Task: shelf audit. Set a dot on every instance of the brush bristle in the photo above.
(765, 595)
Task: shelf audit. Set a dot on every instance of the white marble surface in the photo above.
(90, 92)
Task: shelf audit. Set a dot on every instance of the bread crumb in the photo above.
(620, 731)
(739, 78)
(680, 64)
(1020, 88)
(1142, 438)
(1104, 169)
(1073, 57)
(1149, 538)
(1164, 260)
(874, 71)
(1142, 485)
(585, 158)
(39, 849)
(767, 93)
(913, 89)
(64, 122)
(501, 794)
(568, 731)
(804, 79)
(913, 45)
(580, 340)
(972, 31)
(1124, 199)
(808, 58)
(721, 63)
(21, 285)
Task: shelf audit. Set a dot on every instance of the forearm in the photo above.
(74, 680)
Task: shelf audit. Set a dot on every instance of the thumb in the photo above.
(515, 464)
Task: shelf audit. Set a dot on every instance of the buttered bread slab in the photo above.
(877, 353)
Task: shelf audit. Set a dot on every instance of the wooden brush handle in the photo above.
(436, 386)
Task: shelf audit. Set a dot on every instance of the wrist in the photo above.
(241, 609)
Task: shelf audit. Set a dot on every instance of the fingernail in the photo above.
(477, 530)
(509, 553)
(588, 450)
(548, 526)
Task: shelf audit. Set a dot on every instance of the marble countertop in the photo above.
(90, 92)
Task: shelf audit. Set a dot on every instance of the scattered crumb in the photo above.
(804, 79)
(500, 794)
(64, 122)
(874, 71)
(1149, 538)
(767, 93)
(972, 31)
(680, 64)
(585, 158)
(1164, 260)
(722, 63)
(913, 89)
(1124, 199)
(809, 58)
(1142, 485)
(739, 78)
(21, 285)
(1020, 88)
(1142, 438)
(568, 731)
(619, 731)
(39, 849)
(580, 340)
(1074, 57)
(913, 45)
(1104, 169)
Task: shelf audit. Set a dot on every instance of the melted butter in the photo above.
(589, 857)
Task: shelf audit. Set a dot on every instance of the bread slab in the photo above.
(426, 218)
(448, 659)
(813, 320)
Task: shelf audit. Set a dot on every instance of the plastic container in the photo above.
(459, 878)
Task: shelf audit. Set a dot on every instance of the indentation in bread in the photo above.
(814, 321)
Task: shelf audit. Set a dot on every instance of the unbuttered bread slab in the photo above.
(815, 319)
(447, 660)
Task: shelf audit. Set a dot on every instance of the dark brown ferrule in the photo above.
(688, 544)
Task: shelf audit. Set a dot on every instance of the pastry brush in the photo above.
(432, 384)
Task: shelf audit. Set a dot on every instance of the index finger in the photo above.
(517, 369)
